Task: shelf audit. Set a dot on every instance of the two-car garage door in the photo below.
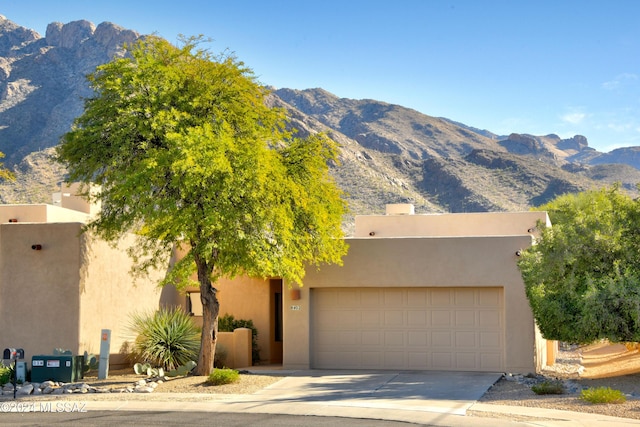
(408, 328)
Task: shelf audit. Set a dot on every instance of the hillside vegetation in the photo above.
(389, 153)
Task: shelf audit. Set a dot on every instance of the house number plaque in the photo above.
(295, 307)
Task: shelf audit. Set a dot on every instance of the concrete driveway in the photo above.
(427, 391)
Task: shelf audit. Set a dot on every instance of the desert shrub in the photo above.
(548, 387)
(6, 374)
(220, 357)
(602, 395)
(223, 376)
(228, 323)
(167, 338)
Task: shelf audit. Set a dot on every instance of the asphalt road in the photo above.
(158, 418)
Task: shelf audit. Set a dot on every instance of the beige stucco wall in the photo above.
(59, 214)
(39, 296)
(109, 295)
(449, 225)
(237, 348)
(247, 298)
(423, 262)
(39, 213)
(69, 199)
(23, 213)
(63, 295)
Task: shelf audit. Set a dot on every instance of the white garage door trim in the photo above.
(459, 329)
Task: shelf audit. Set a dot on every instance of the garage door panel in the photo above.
(394, 339)
(408, 328)
(489, 340)
(465, 361)
(393, 298)
(372, 338)
(348, 298)
(465, 318)
(349, 338)
(348, 318)
(465, 339)
(418, 360)
(394, 360)
(393, 318)
(489, 319)
(417, 318)
(371, 319)
(490, 298)
(371, 359)
(327, 299)
(417, 298)
(371, 299)
(441, 361)
(441, 297)
(441, 339)
(464, 298)
(441, 318)
(325, 339)
(417, 338)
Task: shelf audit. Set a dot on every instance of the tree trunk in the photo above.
(210, 311)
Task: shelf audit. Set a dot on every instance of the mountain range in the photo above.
(389, 153)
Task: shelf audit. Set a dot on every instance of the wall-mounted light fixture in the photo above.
(36, 247)
(518, 253)
(13, 219)
(531, 230)
(372, 233)
(295, 294)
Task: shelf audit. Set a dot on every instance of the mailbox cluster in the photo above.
(13, 354)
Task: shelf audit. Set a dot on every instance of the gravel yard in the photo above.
(599, 365)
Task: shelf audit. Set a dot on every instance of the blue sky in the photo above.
(539, 67)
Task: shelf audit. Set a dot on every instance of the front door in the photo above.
(276, 320)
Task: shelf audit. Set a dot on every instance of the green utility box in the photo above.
(63, 368)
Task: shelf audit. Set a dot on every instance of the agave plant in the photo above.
(167, 338)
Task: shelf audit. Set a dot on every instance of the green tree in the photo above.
(582, 276)
(185, 153)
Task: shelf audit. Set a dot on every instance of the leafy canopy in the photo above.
(582, 276)
(184, 149)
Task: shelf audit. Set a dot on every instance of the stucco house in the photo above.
(423, 292)
(429, 291)
(59, 288)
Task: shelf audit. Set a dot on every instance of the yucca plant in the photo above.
(167, 338)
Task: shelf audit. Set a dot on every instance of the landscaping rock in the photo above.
(25, 389)
(147, 385)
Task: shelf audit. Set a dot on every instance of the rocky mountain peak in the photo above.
(72, 35)
(522, 144)
(12, 35)
(42, 79)
(578, 143)
(69, 35)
